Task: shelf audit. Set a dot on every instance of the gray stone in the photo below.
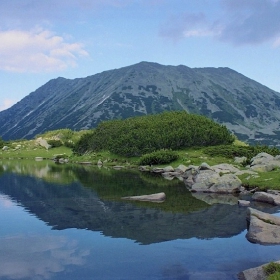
(144, 168)
(225, 167)
(205, 166)
(239, 160)
(243, 202)
(157, 197)
(267, 198)
(168, 169)
(261, 158)
(99, 163)
(265, 167)
(43, 143)
(263, 228)
(5, 148)
(181, 168)
(157, 170)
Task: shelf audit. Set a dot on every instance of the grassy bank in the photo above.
(191, 156)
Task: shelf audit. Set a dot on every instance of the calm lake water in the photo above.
(68, 222)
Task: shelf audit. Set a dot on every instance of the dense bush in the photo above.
(231, 151)
(158, 157)
(140, 135)
(55, 143)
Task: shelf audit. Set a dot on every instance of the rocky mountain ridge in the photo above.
(247, 108)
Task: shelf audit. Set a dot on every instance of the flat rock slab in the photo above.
(156, 197)
(271, 198)
(263, 228)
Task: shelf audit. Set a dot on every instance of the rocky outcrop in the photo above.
(264, 162)
(156, 197)
(263, 228)
(267, 197)
(209, 179)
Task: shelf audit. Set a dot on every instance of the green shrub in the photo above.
(140, 135)
(158, 157)
(55, 143)
(231, 151)
(272, 270)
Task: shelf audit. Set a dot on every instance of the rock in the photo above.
(99, 163)
(181, 168)
(225, 167)
(267, 198)
(205, 166)
(263, 228)
(5, 148)
(39, 158)
(243, 202)
(168, 169)
(256, 273)
(239, 160)
(157, 170)
(265, 167)
(144, 168)
(210, 181)
(241, 172)
(157, 197)
(43, 143)
(261, 158)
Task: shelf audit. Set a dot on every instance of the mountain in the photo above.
(249, 109)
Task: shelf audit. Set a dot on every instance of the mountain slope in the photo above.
(249, 109)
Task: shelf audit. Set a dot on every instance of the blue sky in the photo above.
(46, 39)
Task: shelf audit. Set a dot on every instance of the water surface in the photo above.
(68, 222)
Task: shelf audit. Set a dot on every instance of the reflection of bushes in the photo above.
(112, 185)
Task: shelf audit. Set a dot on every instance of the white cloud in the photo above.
(37, 50)
(6, 103)
(40, 257)
(238, 22)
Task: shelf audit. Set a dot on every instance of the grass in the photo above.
(192, 156)
(264, 181)
(272, 270)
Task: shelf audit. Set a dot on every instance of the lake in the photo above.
(69, 222)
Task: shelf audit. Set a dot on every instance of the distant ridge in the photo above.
(247, 108)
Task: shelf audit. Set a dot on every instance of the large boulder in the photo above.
(271, 198)
(211, 181)
(263, 228)
(264, 162)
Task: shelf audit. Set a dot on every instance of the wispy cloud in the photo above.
(6, 103)
(37, 50)
(239, 22)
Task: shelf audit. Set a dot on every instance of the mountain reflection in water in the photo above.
(91, 200)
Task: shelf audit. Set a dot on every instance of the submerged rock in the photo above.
(156, 197)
